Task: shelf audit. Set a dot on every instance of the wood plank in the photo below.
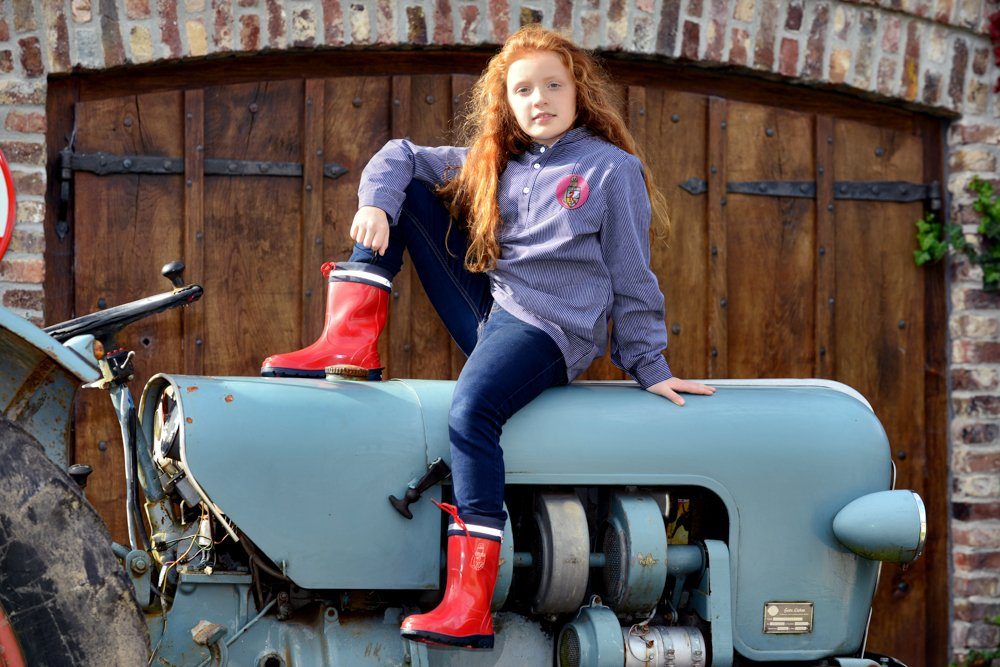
(771, 247)
(313, 291)
(59, 282)
(193, 318)
(430, 99)
(461, 89)
(400, 326)
(936, 481)
(718, 344)
(355, 126)
(880, 345)
(129, 226)
(253, 249)
(824, 365)
(677, 139)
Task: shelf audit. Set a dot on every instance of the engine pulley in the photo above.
(635, 553)
(564, 553)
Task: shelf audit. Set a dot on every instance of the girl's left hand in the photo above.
(670, 388)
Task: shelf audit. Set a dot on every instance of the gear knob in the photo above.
(173, 271)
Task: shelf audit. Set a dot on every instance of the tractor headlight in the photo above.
(888, 526)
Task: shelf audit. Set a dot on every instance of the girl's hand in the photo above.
(371, 228)
(670, 388)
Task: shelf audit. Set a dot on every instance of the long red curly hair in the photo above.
(491, 131)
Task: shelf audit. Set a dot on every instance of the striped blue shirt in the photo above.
(574, 243)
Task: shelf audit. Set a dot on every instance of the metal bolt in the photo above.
(395, 294)
(319, 152)
(139, 565)
(101, 303)
(264, 167)
(715, 251)
(762, 187)
(309, 293)
(642, 111)
(127, 122)
(102, 445)
(190, 182)
(822, 351)
(127, 163)
(199, 235)
(455, 100)
(318, 240)
(429, 99)
(676, 118)
(722, 202)
(901, 324)
(901, 455)
(829, 207)
(231, 166)
(356, 102)
(822, 250)
(803, 188)
(723, 302)
(723, 125)
(830, 301)
(309, 187)
(675, 329)
(715, 353)
(769, 132)
(254, 108)
(190, 115)
(829, 139)
(879, 152)
(395, 102)
(406, 347)
(199, 148)
(199, 342)
(309, 101)
(821, 170)
(713, 169)
(166, 164)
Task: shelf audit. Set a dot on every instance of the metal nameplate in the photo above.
(788, 618)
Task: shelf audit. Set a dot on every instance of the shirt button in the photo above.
(526, 190)
(542, 149)
(538, 166)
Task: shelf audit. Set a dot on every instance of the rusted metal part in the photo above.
(211, 636)
(29, 387)
(10, 650)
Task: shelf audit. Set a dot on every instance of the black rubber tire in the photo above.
(65, 594)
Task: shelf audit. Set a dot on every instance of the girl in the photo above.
(555, 241)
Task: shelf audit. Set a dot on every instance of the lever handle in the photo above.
(437, 471)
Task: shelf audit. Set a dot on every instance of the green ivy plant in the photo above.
(978, 658)
(934, 238)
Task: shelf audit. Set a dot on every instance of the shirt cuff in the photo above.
(655, 371)
(380, 199)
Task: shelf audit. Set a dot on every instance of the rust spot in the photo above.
(229, 398)
(189, 420)
(192, 388)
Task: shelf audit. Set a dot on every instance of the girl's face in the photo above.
(542, 95)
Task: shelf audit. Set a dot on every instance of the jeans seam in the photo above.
(532, 379)
(444, 264)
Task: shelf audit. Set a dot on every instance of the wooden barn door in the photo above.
(760, 280)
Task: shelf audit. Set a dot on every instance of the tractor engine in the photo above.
(638, 533)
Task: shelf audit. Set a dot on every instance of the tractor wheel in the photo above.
(64, 597)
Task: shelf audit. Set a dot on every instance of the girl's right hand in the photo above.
(371, 228)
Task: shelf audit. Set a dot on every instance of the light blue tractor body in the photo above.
(278, 489)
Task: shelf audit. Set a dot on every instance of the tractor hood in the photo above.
(304, 467)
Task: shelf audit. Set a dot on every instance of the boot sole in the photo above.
(356, 372)
(434, 638)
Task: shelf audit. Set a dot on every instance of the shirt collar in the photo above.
(574, 134)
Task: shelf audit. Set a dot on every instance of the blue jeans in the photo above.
(510, 362)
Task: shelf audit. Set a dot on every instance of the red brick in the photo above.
(249, 32)
(444, 26)
(763, 49)
(530, 15)
(980, 61)
(4, 31)
(738, 47)
(562, 17)
(911, 61)
(470, 23)
(416, 30)
(137, 9)
(978, 134)
(886, 76)
(81, 11)
(275, 23)
(499, 11)
(975, 352)
(22, 270)
(932, 87)
(23, 299)
(965, 610)
(6, 60)
(968, 379)
(58, 27)
(974, 434)
(253, 3)
(978, 462)
(716, 36)
(976, 586)
(29, 183)
(385, 28)
(967, 511)
(666, 34)
(222, 26)
(793, 15)
(333, 22)
(27, 242)
(31, 57)
(169, 29)
(959, 62)
(689, 45)
(30, 212)
(943, 13)
(23, 152)
(816, 46)
(890, 38)
(24, 16)
(17, 121)
(983, 635)
(975, 406)
(978, 561)
(111, 36)
(789, 57)
(695, 9)
(590, 23)
(617, 24)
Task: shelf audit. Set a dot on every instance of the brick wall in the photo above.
(932, 54)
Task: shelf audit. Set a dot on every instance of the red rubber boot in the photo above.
(463, 617)
(357, 306)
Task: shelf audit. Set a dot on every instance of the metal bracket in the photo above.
(102, 164)
(882, 191)
(137, 567)
(713, 601)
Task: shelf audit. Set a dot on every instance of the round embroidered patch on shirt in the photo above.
(572, 191)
